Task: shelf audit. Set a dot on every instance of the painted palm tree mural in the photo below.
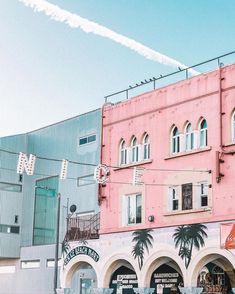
(65, 247)
(143, 240)
(188, 236)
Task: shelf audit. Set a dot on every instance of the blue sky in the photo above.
(50, 72)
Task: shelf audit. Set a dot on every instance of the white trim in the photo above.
(233, 126)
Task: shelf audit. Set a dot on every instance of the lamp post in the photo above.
(57, 242)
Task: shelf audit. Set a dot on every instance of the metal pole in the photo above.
(57, 242)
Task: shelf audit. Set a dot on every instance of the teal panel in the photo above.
(45, 211)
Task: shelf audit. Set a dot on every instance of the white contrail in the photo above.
(76, 21)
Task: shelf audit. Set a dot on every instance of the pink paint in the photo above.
(156, 112)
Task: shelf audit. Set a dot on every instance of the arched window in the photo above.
(218, 275)
(123, 153)
(203, 133)
(188, 137)
(146, 147)
(175, 141)
(134, 150)
(233, 126)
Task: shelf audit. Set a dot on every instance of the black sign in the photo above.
(81, 250)
(123, 281)
(164, 279)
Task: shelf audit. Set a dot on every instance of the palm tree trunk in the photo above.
(190, 254)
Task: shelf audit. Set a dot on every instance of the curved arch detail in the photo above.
(209, 255)
(158, 258)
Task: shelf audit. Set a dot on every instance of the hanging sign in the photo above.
(101, 173)
(82, 250)
(26, 164)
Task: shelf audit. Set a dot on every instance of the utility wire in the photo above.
(110, 166)
(108, 182)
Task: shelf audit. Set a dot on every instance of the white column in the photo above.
(143, 290)
(101, 291)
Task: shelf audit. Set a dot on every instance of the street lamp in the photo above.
(57, 242)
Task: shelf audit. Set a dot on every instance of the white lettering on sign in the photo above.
(26, 164)
(101, 173)
(137, 176)
(64, 169)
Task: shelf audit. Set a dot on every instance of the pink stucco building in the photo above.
(180, 134)
(168, 207)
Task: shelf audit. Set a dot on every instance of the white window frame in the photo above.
(7, 269)
(30, 264)
(202, 193)
(134, 150)
(233, 126)
(203, 134)
(128, 200)
(122, 153)
(189, 137)
(175, 141)
(87, 137)
(173, 198)
(146, 147)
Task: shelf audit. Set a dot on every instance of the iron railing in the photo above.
(83, 228)
(154, 80)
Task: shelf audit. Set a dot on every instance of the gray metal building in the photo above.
(28, 203)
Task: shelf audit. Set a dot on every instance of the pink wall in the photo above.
(155, 113)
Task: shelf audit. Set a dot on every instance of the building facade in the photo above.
(167, 205)
(28, 203)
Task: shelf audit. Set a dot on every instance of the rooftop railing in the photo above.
(156, 82)
(83, 228)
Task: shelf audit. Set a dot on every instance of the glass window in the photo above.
(233, 126)
(175, 142)
(134, 208)
(123, 153)
(91, 138)
(86, 180)
(174, 198)
(203, 194)
(10, 187)
(45, 211)
(7, 269)
(26, 264)
(188, 137)
(146, 147)
(203, 133)
(9, 229)
(187, 196)
(83, 141)
(87, 139)
(86, 285)
(51, 262)
(134, 150)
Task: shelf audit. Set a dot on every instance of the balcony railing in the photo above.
(83, 228)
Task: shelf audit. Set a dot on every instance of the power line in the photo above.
(111, 166)
(108, 182)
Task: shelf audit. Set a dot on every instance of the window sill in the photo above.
(198, 210)
(208, 148)
(133, 164)
(229, 144)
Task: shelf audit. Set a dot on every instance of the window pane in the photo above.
(83, 141)
(134, 209)
(10, 187)
(187, 195)
(91, 138)
(86, 180)
(30, 264)
(138, 208)
(45, 211)
(131, 209)
(15, 229)
(9, 229)
(7, 269)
